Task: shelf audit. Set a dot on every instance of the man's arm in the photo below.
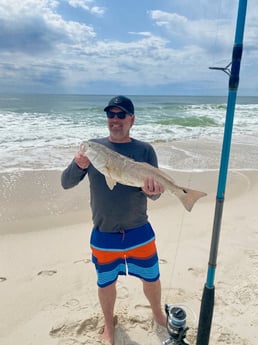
(75, 172)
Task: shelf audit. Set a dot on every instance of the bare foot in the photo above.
(108, 332)
(161, 319)
(108, 335)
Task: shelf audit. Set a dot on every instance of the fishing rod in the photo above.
(207, 303)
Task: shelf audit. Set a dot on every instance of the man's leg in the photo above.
(152, 291)
(107, 298)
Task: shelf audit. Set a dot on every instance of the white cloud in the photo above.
(16, 8)
(80, 3)
(183, 31)
(141, 33)
(87, 5)
(34, 28)
(41, 48)
(97, 10)
(167, 19)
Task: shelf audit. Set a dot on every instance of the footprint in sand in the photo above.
(69, 342)
(47, 273)
(122, 293)
(72, 303)
(81, 332)
(253, 256)
(142, 318)
(143, 313)
(80, 328)
(84, 261)
(195, 271)
(162, 261)
(141, 306)
(89, 325)
(227, 337)
(2, 279)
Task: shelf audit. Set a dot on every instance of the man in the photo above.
(122, 239)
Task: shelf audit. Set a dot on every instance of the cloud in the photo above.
(35, 30)
(44, 47)
(184, 32)
(140, 33)
(87, 6)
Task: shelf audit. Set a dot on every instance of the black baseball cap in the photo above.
(121, 102)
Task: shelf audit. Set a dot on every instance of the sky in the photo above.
(133, 47)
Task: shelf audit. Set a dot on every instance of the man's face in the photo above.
(119, 128)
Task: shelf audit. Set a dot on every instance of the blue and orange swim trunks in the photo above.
(130, 252)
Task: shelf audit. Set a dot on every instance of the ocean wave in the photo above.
(38, 131)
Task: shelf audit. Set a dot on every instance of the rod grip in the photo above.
(205, 318)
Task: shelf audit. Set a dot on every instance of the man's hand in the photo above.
(152, 187)
(81, 160)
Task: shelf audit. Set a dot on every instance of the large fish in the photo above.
(119, 168)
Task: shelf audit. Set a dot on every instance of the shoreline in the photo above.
(37, 197)
(199, 154)
(35, 200)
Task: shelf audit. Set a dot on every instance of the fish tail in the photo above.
(189, 197)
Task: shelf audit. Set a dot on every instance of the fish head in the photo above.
(94, 151)
(88, 149)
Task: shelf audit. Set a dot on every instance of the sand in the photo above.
(48, 291)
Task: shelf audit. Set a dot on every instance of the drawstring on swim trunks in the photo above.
(122, 231)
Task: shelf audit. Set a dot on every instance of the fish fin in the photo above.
(110, 182)
(189, 197)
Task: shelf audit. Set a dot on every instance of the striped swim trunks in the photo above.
(130, 252)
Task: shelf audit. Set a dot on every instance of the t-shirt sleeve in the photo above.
(72, 175)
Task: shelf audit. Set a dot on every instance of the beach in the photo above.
(48, 292)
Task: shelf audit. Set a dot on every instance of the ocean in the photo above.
(40, 131)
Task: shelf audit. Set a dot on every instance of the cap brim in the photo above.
(117, 106)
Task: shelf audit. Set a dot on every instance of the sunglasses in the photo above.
(121, 114)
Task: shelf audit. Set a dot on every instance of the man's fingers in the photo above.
(81, 160)
(152, 187)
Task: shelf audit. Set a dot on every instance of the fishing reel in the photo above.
(176, 325)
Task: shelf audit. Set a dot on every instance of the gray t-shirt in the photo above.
(124, 207)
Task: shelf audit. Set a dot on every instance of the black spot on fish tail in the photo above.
(189, 197)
